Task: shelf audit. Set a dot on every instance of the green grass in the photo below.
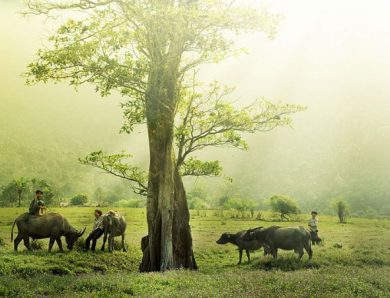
(361, 268)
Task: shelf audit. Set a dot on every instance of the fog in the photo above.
(331, 56)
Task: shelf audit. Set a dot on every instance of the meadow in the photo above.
(360, 268)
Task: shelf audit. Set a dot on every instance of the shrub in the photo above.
(341, 207)
(242, 206)
(79, 200)
(283, 205)
(197, 203)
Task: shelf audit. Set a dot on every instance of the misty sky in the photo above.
(332, 56)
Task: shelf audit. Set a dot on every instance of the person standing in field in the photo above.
(313, 226)
(97, 231)
(37, 205)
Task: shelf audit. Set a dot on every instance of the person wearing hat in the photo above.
(313, 226)
(37, 205)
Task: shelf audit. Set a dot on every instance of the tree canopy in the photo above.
(283, 205)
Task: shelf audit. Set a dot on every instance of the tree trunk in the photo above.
(169, 241)
(19, 198)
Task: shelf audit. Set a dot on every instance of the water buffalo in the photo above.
(50, 225)
(296, 238)
(114, 225)
(237, 239)
(315, 240)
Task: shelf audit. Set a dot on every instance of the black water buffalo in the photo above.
(50, 225)
(296, 238)
(315, 240)
(237, 239)
(114, 225)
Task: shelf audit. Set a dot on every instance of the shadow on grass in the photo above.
(285, 264)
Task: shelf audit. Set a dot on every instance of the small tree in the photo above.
(341, 207)
(15, 190)
(241, 205)
(283, 205)
(79, 200)
(99, 196)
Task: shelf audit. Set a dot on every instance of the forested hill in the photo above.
(337, 148)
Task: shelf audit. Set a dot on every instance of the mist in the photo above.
(332, 57)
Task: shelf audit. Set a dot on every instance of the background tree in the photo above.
(79, 200)
(341, 207)
(241, 205)
(99, 196)
(283, 205)
(145, 49)
(15, 191)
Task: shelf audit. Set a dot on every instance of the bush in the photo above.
(241, 206)
(341, 207)
(197, 203)
(132, 203)
(283, 205)
(79, 200)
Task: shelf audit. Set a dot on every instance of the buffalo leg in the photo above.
(309, 250)
(51, 242)
(123, 243)
(26, 241)
(275, 253)
(248, 255)
(17, 241)
(110, 243)
(239, 256)
(300, 251)
(59, 243)
(104, 241)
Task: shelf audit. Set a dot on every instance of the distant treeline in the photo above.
(19, 192)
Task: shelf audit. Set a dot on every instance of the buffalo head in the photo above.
(225, 238)
(72, 237)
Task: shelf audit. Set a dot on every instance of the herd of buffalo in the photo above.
(54, 226)
(272, 239)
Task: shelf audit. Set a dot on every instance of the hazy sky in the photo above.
(332, 56)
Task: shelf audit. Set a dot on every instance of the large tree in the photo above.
(145, 50)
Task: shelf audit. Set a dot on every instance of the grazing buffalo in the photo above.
(315, 240)
(50, 225)
(114, 225)
(238, 240)
(275, 237)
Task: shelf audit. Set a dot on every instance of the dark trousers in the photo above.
(94, 236)
(314, 237)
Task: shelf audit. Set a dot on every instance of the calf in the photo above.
(237, 239)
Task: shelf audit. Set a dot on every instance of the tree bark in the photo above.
(169, 241)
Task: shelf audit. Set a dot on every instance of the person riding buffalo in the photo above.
(37, 205)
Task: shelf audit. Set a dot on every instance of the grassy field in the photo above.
(361, 268)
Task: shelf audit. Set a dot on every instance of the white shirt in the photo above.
(98, 223)
(313, 222)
